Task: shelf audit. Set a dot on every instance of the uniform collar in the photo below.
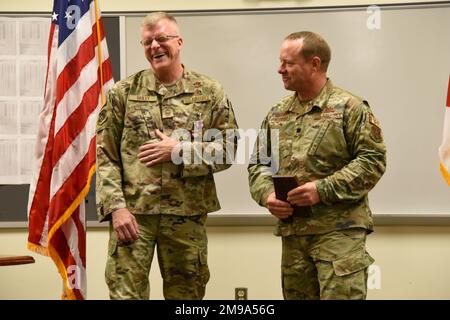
(183, 85)
(303, 107)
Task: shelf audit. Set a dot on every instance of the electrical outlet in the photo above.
(240, 293)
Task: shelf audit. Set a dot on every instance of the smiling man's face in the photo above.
(165, 54)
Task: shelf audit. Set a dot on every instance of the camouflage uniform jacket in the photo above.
(334, 140)
(135, 107)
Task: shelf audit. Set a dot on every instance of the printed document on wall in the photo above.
(23, 63)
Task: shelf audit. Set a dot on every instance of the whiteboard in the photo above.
(402, 69)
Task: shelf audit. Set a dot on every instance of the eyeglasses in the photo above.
(160, 39)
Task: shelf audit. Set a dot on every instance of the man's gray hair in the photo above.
(153, 18)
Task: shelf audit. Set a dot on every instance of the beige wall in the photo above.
(145, 5)
(413, 261)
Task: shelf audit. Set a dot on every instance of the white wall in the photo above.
(413, 261)
(154, 5)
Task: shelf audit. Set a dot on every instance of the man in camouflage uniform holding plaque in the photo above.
(153, 182)
(331, 141)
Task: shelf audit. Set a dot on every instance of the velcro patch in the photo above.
(102, 117)
(195, 99)
(375, 130)
(374, 120)
(334, 115)
(133, 97)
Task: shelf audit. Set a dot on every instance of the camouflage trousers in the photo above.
(181, 245)
(325, 266)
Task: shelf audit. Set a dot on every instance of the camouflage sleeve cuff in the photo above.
(325, 191)
(104, 214)
(188, 154)
(264, 195)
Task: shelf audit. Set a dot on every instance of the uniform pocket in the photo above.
(283, 157)
(134, 116)
(203, 266)
(351, 263)
(112, 246)
(203, 256)
(195, 192)
(111, 264)
(318, 138)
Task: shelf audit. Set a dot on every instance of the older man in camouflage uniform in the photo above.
(152, 201)
(331, 141)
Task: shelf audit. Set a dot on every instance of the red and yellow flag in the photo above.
(444, 149)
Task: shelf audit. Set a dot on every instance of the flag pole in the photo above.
(99, 46)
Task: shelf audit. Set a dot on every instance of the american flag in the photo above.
(444, 149)
(75, 89)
